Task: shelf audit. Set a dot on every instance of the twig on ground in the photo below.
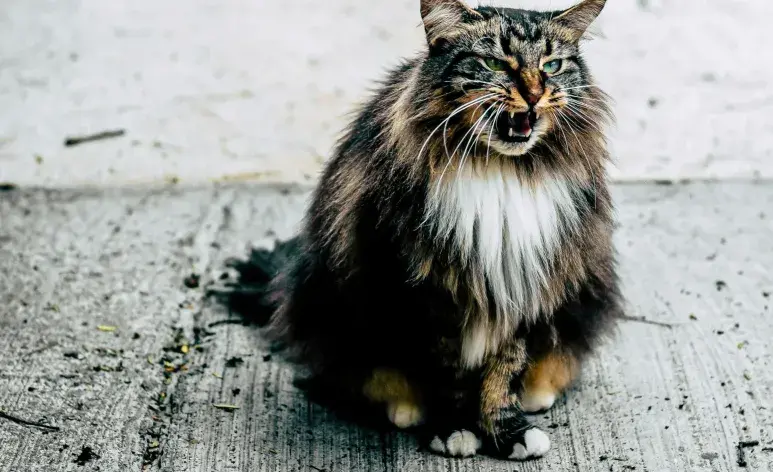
(226, 322)
(642, 319)
(225, 406)
(75, 140)
(41, 349)
(22, 422)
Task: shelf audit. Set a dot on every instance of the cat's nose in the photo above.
(532, 98)
(532, 88)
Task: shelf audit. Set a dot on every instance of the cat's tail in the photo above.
(254, 295)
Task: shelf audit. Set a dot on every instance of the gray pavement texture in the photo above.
(102, 337)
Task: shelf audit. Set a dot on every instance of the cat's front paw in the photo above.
(405, 414)
(537, 401)
(518, 444)
(534, 444)
(461, 443)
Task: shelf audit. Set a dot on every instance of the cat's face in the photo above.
(513, 76)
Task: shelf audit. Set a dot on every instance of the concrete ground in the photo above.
(102, 337)
(111, 360)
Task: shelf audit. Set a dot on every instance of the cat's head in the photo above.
(513, 78)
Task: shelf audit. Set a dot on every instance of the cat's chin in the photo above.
(512, 149)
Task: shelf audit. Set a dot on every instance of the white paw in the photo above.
(405, 415)
(463, 443)
(536, 444)
(537, 401)
(459, 444)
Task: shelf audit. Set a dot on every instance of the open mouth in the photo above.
(516, 127)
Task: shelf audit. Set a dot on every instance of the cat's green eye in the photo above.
(494, 64)
(552, 67)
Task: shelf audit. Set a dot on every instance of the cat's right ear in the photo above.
(444, 19)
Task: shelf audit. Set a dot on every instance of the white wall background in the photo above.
(241, 89)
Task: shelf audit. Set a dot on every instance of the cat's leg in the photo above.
(403, 400)
(505, 434)
(546, 379)
(484, 415)
(507, 431)
(559, 348)
(455, 429)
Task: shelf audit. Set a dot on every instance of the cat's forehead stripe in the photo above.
(530, 51)
(517, 31)
(524, 38)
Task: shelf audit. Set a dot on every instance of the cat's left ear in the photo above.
(444, 19)
(578, 18)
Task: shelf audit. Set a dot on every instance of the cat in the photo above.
(455, 264)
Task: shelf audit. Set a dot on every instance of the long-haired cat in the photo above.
(455, 264)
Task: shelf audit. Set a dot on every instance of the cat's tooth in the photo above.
(536, 115)
(511, 132)
(512, 115)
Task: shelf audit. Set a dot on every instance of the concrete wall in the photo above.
(242, 89)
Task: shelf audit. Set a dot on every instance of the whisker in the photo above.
(482, 82)
(581, 123)
(587, 106)
(581, 98)
(578, 125)
(445, 121)
(463, 107)
(482, 129)
(445, 94)
(581, 87)
(472, 128)
(491, 131)
(470, 141)
(561, 128)
(497, 87)
(449, 157)
(480, 122)
(461, 141)
(579, 113)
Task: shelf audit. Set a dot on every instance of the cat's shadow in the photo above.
(245, 302)
(348, 409)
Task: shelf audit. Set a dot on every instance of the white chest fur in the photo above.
(509, 232)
